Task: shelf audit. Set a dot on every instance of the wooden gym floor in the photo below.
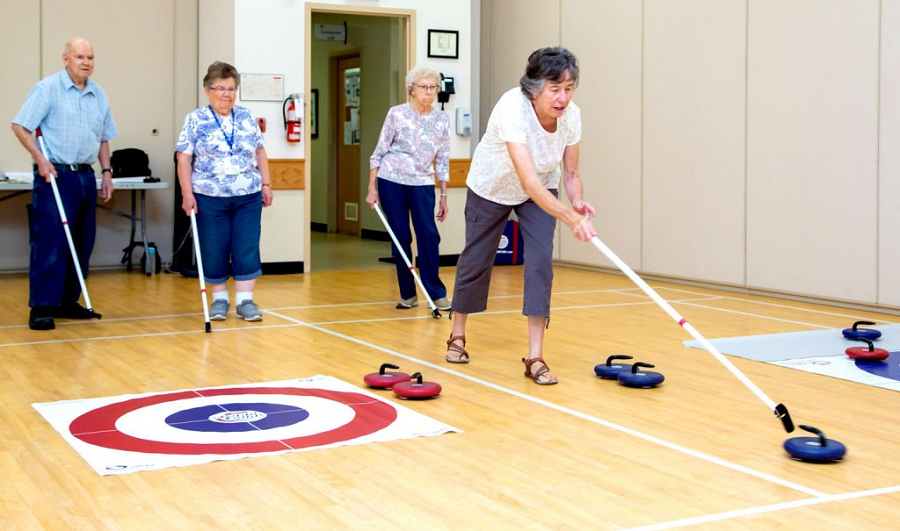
(700, 452)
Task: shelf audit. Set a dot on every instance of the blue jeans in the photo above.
(399, 202)
(229, 230)
(52, 280)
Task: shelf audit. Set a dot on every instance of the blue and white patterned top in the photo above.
(74, 122)
(408, 144)
(206, 136)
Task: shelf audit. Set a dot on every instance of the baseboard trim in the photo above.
(282, 268)
(444, 260)
(377, 235)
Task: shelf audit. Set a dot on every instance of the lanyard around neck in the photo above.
(228, 139)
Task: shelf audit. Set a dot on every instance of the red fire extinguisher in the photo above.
(291, 122)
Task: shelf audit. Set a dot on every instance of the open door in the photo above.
(348, 133)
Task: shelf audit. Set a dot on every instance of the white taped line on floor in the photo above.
(763, 509)
(596, 420)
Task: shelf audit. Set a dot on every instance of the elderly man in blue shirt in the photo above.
(74, 116)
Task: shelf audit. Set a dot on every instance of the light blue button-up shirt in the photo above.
(74, 122)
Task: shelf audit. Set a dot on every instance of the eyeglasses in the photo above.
(224, 90)
(428, 88)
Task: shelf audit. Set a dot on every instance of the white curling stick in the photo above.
(780, 410)
(434, 310)
(65, 224)
(200, 270)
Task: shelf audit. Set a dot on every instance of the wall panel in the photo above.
(889, 157)
(694, 117)
(21, 64)
(812, 100)
(605, 35)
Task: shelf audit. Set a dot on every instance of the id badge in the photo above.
(230, 168)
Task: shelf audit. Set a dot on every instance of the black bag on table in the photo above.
(130, 162)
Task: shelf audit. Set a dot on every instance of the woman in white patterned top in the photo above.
(516, 167)
(401, 180)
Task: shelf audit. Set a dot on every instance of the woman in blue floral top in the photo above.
(401, 180)
(224, 175)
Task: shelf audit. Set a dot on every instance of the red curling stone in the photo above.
(868, 353)
(416, 388)
(385, 379)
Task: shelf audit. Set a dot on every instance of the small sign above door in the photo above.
(331, 32)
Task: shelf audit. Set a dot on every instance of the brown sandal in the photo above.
(463, 355)
(540, 372)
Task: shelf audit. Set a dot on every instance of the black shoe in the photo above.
(73, 310)
(40, 319)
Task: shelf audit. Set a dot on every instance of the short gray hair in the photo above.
(418, 73)
(547, 64)
(220, 70)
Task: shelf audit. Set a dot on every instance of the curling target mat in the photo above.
(131, 433)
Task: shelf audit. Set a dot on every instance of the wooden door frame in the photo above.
(409, 16)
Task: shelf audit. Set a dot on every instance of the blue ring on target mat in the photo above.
(238, 417)
(98, 426)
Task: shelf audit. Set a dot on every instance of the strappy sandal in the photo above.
(463, 355)
(540, 372)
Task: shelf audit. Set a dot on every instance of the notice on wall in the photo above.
(262, 87)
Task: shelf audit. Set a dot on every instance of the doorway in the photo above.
(357, 77)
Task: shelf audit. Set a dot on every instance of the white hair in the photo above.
(418, 73)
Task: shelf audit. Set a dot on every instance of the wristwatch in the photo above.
(104, 170)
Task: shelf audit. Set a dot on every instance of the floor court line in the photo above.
(307, 307)
(496, 312)
(688, 302)
(776, 305)
(568, 411)
(351, 321)
(763, 509)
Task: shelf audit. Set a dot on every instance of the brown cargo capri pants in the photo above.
(485, 221)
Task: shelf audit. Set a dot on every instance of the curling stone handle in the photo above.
(812, 429)
(386, 366)
(867, 342)
(417, 377)
(634, 368)
(610, 359)
(865, 323)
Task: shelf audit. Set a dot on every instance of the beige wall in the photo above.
(744, 142)
(144, 99)
(889, 157)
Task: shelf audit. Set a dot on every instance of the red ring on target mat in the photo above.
(98, 427)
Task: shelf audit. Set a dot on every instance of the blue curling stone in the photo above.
(813, 450)
(862, 333)
(639, 378)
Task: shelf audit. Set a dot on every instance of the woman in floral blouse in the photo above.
(223, 171)
(401, 180)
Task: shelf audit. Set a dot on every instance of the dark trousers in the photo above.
(484, 225)
(400, 202)
(52, 280)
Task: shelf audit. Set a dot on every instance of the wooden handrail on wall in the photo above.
(290, 174)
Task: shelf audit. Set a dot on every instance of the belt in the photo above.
(68, 167)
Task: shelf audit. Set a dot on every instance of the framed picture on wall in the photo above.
(443, 43)
(314, 113)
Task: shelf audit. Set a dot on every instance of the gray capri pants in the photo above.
(485, 221)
